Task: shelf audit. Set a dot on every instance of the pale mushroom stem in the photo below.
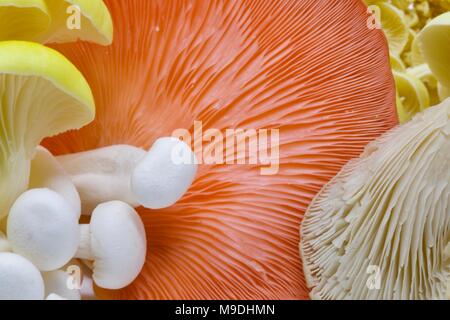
(103, 174)
(4, 243)
(84, 250)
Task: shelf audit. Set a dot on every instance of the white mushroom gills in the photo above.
(103, 175)
(115, 241)
(43, 227)
(165, 174)
(19, 278)
(380, 229)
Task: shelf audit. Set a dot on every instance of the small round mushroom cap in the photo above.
(165, 174)
(118, 245)
(381, 228)
(43, 227)
(54, 296)
(19, 279)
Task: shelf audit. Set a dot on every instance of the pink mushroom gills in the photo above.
(311, 69)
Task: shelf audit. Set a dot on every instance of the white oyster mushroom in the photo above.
(19, 279)
(4, 243)
(103, 174)
(43, 227)
(115, 240)
(47, 172)
(380, 228)
(59, 282)
(165, 174)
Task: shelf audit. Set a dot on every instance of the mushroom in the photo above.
(115, 241)
(57, 282)
(57, 99)
(103, 175)
(165, 174)
(54, 296)
(327, 89)
(4, 243)
(43, 227)
(55, 21)
(380, 228)
(19, 279)
(46, 172)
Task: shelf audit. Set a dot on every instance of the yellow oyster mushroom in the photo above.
(434, 42)
(424, 74)
(23, 19)
(443, 92)
(72, 20)
(402, 4)
(381, 228)
(416, 54)
(47, 21)
(394, 26)
(396, 63)
(43, 94)
(413, 94)
(403, 115)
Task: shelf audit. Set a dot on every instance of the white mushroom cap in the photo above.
(165, 174)
(47, 172)
(43, 227)
(57, 282)
(4, 243)
(117, 244)
(19, 279)
(54, 296)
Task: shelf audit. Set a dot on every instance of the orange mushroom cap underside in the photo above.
(312, 69)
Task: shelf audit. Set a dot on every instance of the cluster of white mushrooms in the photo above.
(43, 233)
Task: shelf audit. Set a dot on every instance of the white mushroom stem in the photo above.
(4, 243)
(115, 241)
(103, 174)
(19, 279)
(165, 174)
(87, 289)
(63, 284)
(84, 251)
(47, 172)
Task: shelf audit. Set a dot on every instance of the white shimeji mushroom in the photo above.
(43, 227)
(380, 228)
(19, 278)
(165, 174)
(103, 174)
(59, 282)
(155, 179)
(116, 243)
